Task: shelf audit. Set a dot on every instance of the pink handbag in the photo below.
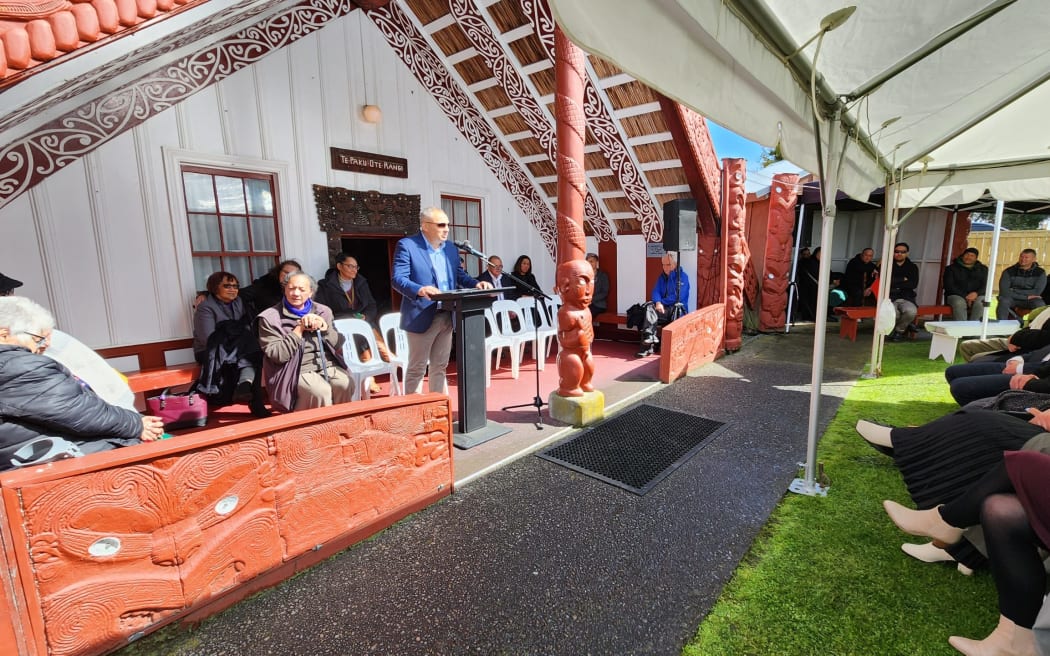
(179, 410)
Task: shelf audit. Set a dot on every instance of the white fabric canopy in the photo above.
(941, 100)
(979, 101)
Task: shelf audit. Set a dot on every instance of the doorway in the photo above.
(375, 255)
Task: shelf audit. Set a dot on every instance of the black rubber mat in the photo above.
(636, 449)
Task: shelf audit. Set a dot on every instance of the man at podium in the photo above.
(425, 264)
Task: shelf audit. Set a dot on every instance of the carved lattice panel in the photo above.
(347, 472)
(348, 212)
(118, 550)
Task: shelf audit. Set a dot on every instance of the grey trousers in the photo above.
(316, 392)
(906, 311)
(433, 346)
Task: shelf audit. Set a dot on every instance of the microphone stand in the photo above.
(537, 294)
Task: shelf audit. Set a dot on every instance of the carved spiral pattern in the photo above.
(736, 251)
(703, 154)
(782, 199)
(603, 128)
(489, 47)
(27, 161)
(399, 31)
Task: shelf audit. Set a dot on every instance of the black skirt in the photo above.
(943, 458)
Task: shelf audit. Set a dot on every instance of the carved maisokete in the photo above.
(775, 277)
(734, 219)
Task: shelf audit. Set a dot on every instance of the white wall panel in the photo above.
(173, 276)
(21, 250)
(125, 260)
(71, 256)
(200, 122)
(239, 113)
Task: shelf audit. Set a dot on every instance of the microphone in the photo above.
(465, 246)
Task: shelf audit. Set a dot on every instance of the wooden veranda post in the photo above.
(575, 401)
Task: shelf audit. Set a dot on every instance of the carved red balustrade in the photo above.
(100, 548)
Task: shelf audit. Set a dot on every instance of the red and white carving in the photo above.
(781, 223)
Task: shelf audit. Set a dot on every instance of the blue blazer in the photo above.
(413, 270)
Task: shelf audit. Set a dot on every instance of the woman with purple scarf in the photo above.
(303, 364)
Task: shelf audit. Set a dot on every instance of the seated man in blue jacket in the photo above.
(670, 299)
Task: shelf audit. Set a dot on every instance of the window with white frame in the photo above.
(233, 222)
(464, 215)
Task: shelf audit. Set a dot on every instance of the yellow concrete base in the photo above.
(578, 410)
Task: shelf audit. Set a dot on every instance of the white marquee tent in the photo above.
(940, 102)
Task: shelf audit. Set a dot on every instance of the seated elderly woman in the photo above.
(302, 355)
(42, 400)
(226, 348)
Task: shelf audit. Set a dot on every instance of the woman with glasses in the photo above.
(44, 405)
(226, 348)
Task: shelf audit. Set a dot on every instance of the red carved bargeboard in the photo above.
(690, 341)
(100, 548)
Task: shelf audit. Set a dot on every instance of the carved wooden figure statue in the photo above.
(575, 332)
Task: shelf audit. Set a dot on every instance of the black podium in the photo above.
(468, 307)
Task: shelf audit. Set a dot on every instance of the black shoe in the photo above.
(243, 392)
(895, 337)
(258, 409)
(645, 351)
(912, 329)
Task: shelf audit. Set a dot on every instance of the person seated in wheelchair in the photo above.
(669, 300)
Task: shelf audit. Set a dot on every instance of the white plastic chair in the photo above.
(396, 344)
(507, 313)
(536, 323)
(360, 371)
(494, 345)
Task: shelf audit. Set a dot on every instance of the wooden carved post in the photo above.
(734, 217)
(775, 277)
(575, 277)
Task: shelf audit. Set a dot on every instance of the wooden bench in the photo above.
(614, 326)
(849, 317)
(154, 372)
(102, 549)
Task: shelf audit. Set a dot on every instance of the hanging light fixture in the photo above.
(371, 114)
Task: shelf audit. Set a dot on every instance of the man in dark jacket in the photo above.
(964, 282)
(42, 399)
(861, 273)
(1021, 285)
(904, 279)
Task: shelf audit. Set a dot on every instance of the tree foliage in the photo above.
(1012, 221)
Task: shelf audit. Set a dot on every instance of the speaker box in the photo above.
(680, 225)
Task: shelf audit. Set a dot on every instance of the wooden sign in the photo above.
(360, 162)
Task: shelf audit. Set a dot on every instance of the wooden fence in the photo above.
(1010, 246)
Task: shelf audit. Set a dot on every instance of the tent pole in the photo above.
(992, 262)
(889, 208)
(792, 286)
(829, 186)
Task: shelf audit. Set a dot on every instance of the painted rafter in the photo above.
(418, 53)
(605, 128)
(506, 69)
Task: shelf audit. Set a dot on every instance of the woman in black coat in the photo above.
(41, 398)
(523, 270)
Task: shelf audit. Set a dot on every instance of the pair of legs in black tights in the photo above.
(1013, 547)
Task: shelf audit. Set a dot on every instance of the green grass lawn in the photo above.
(826, 575)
